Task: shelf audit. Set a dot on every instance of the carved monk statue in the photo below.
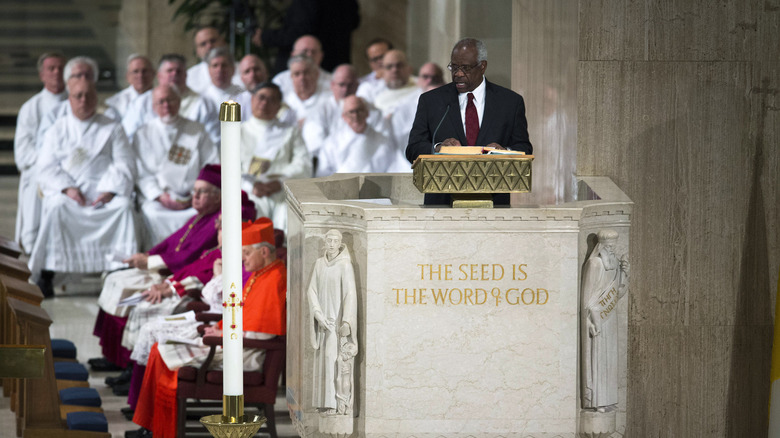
(604, 282)
(333, 305)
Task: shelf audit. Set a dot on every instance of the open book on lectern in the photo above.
(475, 150)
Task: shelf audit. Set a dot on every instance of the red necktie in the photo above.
(472, 122)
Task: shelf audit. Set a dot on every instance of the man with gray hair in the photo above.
(50, 69)
(309, 46)
(307, 93)
(80, 67)
(87, 211)
(222, 66)
(171, 70)
(140, 76)
(469, 111)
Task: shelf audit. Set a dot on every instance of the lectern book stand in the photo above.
(471, 175)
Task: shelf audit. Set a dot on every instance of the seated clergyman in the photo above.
(357, 147)
(89, 171)
(170, 151)
(264, 317)
(179, 249)
(140, 76)
(271, 152)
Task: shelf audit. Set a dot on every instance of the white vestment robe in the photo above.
(198, 78)
(326, 118)
(28, 213)
(94, 156)
(346, 151)
(285, 83)
(193, 107)
(169, 158)
(281, 145)
(400, 121)
(387, 100)
(233, 92)
(61, 110)
(370, 89)
(173, 327)
(122, 100)
(303, 108)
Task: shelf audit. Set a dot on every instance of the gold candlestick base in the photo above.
(245, 429)
(233, 423)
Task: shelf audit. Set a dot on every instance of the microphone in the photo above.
(433, 140)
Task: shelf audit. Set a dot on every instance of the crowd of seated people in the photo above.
(130, 187)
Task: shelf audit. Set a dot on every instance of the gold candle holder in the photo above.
(233, 423)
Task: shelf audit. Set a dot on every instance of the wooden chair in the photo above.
(260, 387)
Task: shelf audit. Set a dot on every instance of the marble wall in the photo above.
(678, 103)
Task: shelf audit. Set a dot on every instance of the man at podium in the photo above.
(469, 111)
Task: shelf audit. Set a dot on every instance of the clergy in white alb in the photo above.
(28, 213)
(80, 67)
(402, 118)
(308, 46)
(306, 94)
(375, 51)
(221, 68)
(253, 72)
(89, 171)
(206, 38)
(171, 71)
(272, 151)
(170, 151)
(398, 80)
(140, 76)
(357, 147)
(326, 116)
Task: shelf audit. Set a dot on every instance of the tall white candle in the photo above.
(232, 290)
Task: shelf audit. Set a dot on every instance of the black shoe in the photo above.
(125, 377)
(102, 364)
(122, 390)
(46, 283)
(140, 433)
(128, 412)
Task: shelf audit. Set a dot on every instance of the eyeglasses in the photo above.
(376, 58)
(464, 68)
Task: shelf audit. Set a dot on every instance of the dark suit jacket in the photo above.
(503, 122)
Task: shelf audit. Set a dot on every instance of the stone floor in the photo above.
(73, 315)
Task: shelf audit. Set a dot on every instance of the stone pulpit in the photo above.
(415, 321)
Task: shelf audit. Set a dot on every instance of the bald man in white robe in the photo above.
(170, 151)
(357, 147)
(272, 151)
(87, 210)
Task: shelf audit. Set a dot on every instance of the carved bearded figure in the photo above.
(333, 304)
(604, 282)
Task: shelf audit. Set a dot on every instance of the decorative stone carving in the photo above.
(332, 299)
(604, 282)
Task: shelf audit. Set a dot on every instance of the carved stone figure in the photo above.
(332, 299)
(604, 282)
